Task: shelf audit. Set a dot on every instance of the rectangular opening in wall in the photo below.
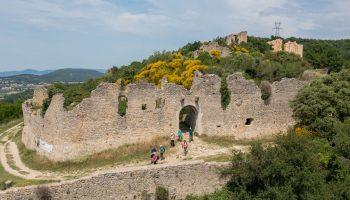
(248, 121)
(144, 107)
(159, 103)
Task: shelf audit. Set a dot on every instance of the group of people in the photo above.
(155, 157)
(184, 143)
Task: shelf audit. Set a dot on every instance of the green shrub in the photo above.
(190, 47)
(122, 105)
(266, 90)
(225, 94)
(45, 106)
(10, 111)
(162, 193)
(221, 41)
(324, 103)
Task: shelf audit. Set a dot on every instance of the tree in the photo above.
(324, 103)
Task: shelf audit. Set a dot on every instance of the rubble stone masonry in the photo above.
(94, 124)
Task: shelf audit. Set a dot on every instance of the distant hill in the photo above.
(26, 71)
(61, 75)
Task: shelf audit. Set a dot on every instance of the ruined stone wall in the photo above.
(94, 125)
(277, 45)
(40, 94)
(237, 38)
(212, 46)
(294, 47)
(290, 47)
(181, 179)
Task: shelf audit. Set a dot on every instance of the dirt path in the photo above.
(199, 149)
(12, 163)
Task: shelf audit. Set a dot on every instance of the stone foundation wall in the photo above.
(94, 125)
(181, 179)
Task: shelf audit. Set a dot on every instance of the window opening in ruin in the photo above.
(187, 118)
(159, 103)
(144, 106)
(249, 121)
(122, 105)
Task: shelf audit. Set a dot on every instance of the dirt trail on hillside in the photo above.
(12, 163)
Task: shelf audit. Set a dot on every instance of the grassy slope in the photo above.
(130, 153)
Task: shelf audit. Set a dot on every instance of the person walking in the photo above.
(179, 135)
(172, 140)
(155, 159)
(161, 151)
(153, 151)
(191, 134)
(185, 146)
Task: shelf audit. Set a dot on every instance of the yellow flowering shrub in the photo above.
(178, 70)
(125, 82)
(238, 49)
(303, 132)
(215, 53)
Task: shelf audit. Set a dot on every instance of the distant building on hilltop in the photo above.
(290, 47)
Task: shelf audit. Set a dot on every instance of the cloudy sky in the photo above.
(50, 34)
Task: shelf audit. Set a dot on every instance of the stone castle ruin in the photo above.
(290, 47)
(232, 39)
(94, 124)
(237, 39)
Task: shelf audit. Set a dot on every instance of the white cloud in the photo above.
(169, 17)
(73, 33)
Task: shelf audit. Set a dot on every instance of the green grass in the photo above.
(17, 181)
(5, 126)
(228, 141)
(130, 153)
(217, 158)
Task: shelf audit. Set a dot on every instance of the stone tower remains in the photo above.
(237, 39)
(294, 47)
(290, 47)
(40, 94)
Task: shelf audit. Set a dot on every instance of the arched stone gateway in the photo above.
(188, 118)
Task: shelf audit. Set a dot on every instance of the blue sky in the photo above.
(50, 34)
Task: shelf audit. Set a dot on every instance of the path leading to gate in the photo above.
(11, 161)
(198, 149)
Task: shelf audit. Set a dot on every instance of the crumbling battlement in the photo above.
(94, 124)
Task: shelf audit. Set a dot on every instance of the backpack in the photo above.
(162, 149)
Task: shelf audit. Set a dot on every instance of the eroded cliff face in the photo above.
(94, 125)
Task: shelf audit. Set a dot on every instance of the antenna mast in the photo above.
(277, 29)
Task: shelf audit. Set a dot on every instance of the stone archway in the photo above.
(188, 118)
